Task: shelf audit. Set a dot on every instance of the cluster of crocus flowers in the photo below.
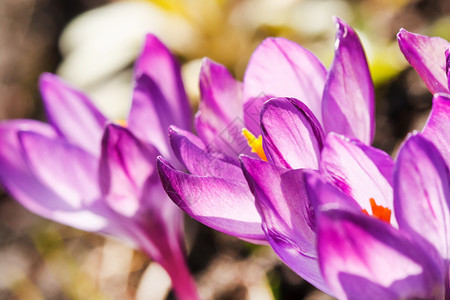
(311, 102)
(343, 215)
(282, 158)
(364, 226)
(85, 171)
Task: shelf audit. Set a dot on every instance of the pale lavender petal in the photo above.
(150, 114)
(125, 166)
(348, 103)
(71, 113)
(381, 159)
(345, 164)
(20, 181)
(221, 94)
(157, 62)
(219, 121)
(225, 205)
(191, 153)
(422, 192)
(427, 56)
(292, 136)
(252, 113)
(323, 193)
(437, 128)
(288, 218)
(68, 170)
(362, 257)
(281, 68)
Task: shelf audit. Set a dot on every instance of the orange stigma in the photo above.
(121, 122)
(379, 212)
(254, 143)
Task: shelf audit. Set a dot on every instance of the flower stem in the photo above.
(173, 260)
(183, 284)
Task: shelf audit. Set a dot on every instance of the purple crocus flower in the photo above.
(92, 174)
(355, 180)
(364, 257)
(315, 101)
(430, 58)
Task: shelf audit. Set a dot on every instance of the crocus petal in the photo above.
(427, 56)
(323, 193)
(52, 158)
(422, 192)
(219, 120)
(364, 258)
(125, 165)
(347, 166)
(219, 203)
(252, 113)
(20, 181)
(437, 127)
(71, 113)
(150, 114)
(281, 68)
(191, 153)
(158, 224)
(447, 66)
(348, 103)
(292, 136)
(288, 218)
(157, 62)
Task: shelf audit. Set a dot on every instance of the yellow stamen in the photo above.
(121, 122)
(379, 212)
(254, 143)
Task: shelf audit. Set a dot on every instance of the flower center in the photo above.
(121, 122)
(380, 212)
(254, 143)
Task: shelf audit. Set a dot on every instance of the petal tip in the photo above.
(403, 35)
(47, 80)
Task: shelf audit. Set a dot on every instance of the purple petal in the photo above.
(125, 166)
(292, 135)
(282, 200)
(348, 103)
(157, 223)
(422, 192)
(71, 113)
(364, 258)
(157, 62)
(281, 68)
(427, 56)
(150, 114)
(346, 164)
(447, 66)
(220, 112)
(225, 205)
(132, 188)
(288, 218)
(437, 127)
(252, 113)
(322, 193)
(20, 181)
(70, 171)
(191, 153)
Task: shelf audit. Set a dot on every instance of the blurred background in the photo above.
(93, 44)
